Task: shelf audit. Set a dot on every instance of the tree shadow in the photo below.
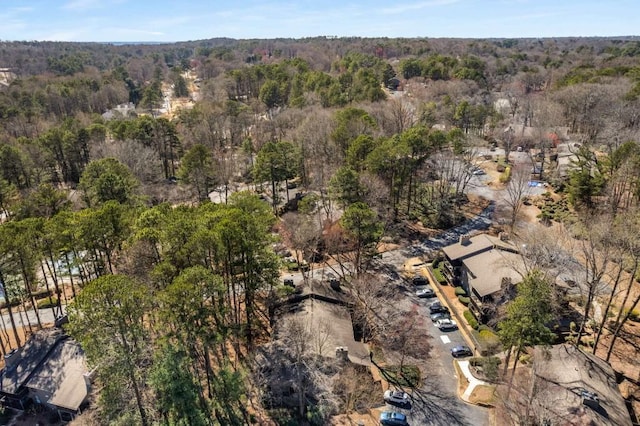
(430, 404)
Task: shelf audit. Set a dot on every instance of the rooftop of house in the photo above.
(471, 246)
(61, 376)
(21, 364)
(488, 269)
(562, 373)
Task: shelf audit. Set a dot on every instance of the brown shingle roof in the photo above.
(476, 244)
(489, 268)
(473, 246)
(28, 358)
(61, 376)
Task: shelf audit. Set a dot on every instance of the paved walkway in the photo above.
(473, 382)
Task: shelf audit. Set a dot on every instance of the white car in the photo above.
(396, 397)
(446, 324)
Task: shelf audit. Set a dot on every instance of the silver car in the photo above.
(396, 397)
(446, 324)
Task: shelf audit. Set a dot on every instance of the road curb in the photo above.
(460, 320)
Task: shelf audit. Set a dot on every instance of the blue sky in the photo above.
(164, 20)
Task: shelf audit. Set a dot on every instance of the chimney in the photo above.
(342, 353)
(88, 377)
(464, 239)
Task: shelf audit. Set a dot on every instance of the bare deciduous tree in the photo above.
(596, 252)
(304, 233)
(404, 336)
(372, 311)
(517, 189)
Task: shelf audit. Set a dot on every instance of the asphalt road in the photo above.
(436, 403)
(23, 318)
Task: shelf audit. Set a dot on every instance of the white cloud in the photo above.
(21, 9)
(81, 4)
(63, 36)
(169, 21)
(407, 7)
(133, 31)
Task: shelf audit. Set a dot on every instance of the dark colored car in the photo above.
(419, 280)
(437, 307)
(392, 418)
(460, 351)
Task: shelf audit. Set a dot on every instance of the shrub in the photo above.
(634, 315)
(525, 359)
(471, 320)
(490, 367)
(487, 334)
(48, 302)
(506, 175)
(437, 273)
(460, 291)
(435, 263)
(12, 303)
(464, 300)
(489, 341)
(484, 327)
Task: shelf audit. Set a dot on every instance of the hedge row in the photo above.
(471, 320)
(437, 273)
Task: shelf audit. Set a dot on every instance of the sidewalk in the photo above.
(473, 382)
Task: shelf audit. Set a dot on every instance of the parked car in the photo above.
(437, 307)
(396, 397)
(440, 315)
(419, 280)
(446, 324)
(460, 351)
(392, 418)
(479, 172)
(425, 292)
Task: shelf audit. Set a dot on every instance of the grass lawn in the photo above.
(463, 383)
(483, 395)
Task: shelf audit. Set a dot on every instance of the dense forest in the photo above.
(172, 294)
